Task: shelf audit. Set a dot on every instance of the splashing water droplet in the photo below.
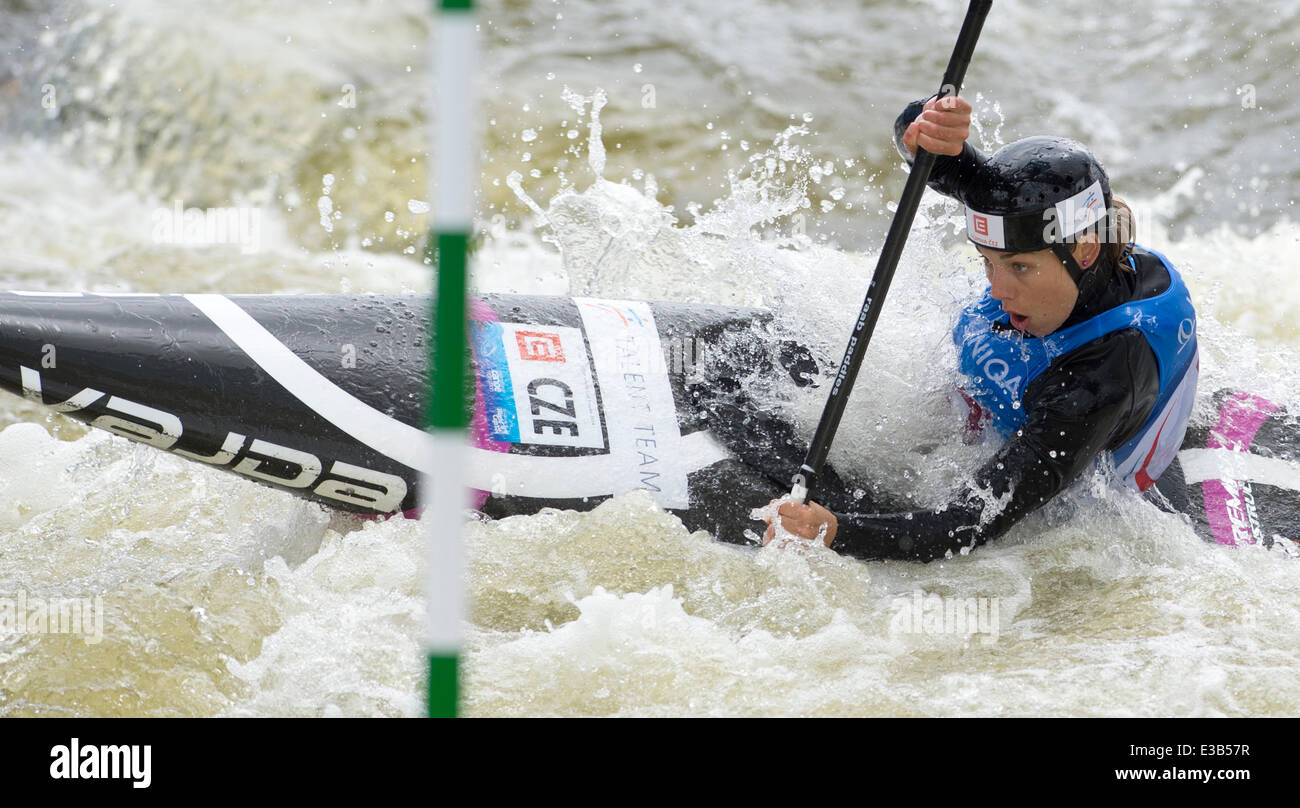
(325, 206)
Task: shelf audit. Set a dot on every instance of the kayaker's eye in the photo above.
(1021, 267)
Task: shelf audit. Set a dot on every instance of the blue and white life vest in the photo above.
(999, 366)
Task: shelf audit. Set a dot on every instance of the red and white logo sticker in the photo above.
(986, 229)
(548, 386)
(537, 346)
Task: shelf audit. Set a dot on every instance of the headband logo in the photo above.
(1080, 210)
(985, 229)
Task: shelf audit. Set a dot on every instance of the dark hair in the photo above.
(1115, 233)
(1120, 245)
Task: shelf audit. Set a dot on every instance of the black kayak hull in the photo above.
(574, 400)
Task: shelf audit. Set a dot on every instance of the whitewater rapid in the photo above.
(760, 176)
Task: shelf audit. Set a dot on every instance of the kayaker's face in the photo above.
(1034, 288)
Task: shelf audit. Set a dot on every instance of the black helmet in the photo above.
(1036, 194)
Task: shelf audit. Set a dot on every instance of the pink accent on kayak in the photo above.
(478, 427)
(1239, 419)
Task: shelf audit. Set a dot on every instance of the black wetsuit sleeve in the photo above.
(951, 173)
(1091, 400)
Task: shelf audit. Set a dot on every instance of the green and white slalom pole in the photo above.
(454, 59)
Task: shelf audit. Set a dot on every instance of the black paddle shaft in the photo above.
(806, 478)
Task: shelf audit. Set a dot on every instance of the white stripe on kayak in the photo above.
(1200, 465)
(574, 477)
(515, 474)
(384, 434)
